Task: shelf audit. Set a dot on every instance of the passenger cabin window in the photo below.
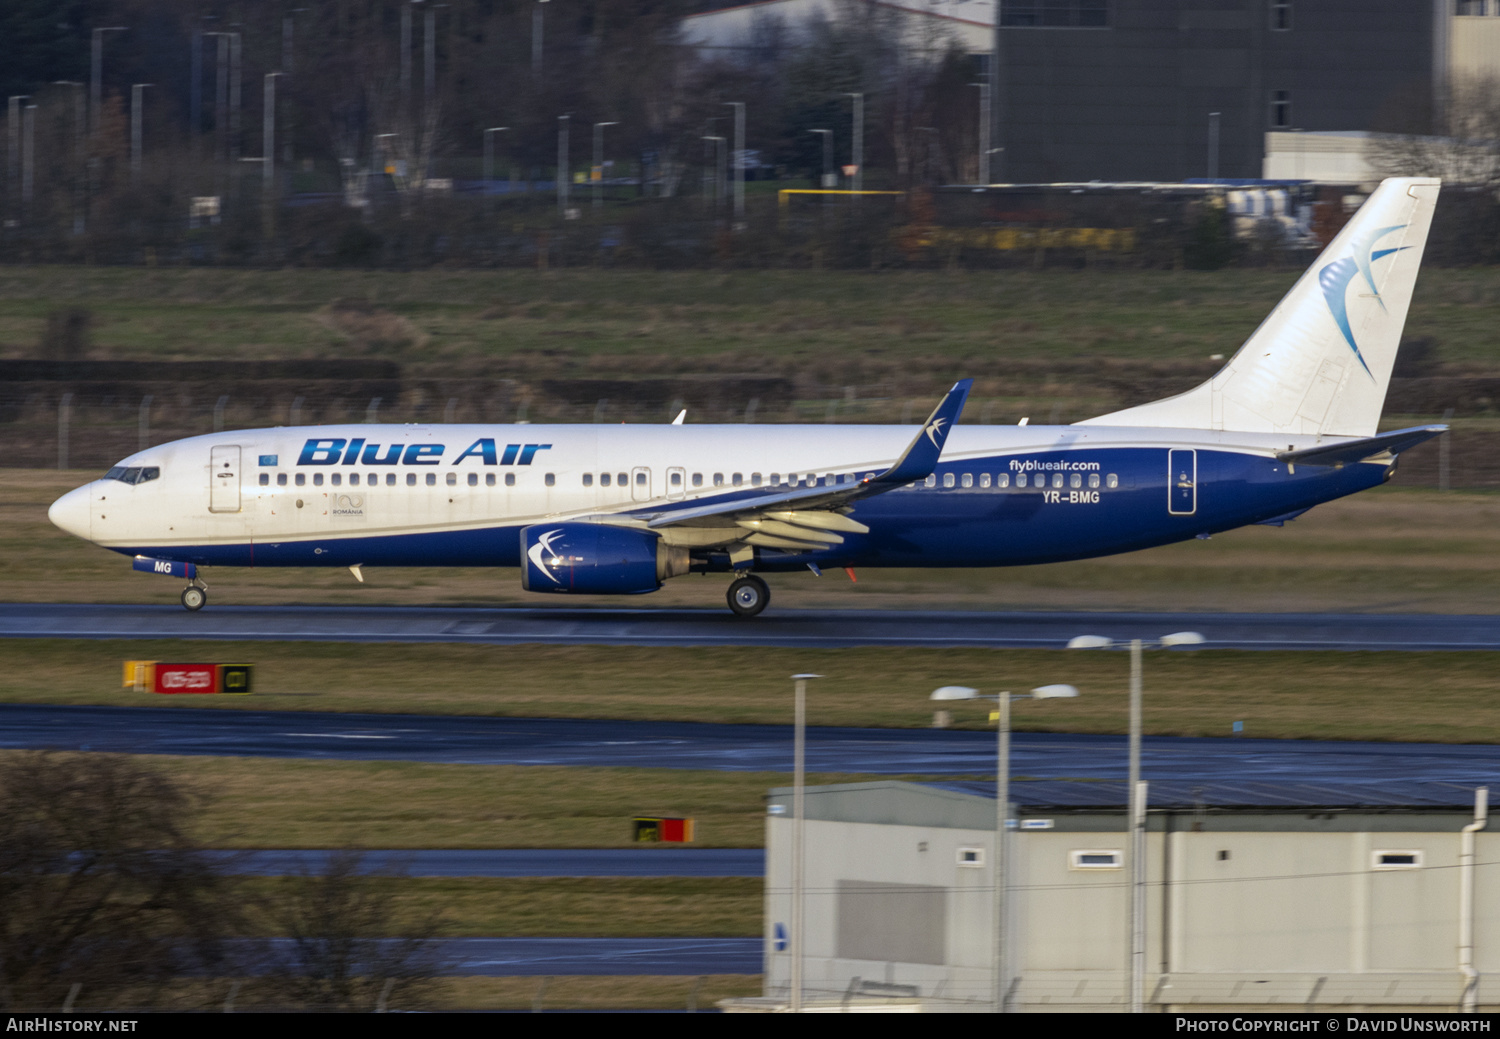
(336, 479)
(474, 480)
(640, 479)
(432, 479)
(948, 480)
(1003, 480)
(551, 480)
(604, 479)
(411, 479)
(1057, 479)
(675, 479)
(1020, 479)
(1111, 481)
(354, 479)
(697, 479)
(622, 479)
(265, 479)
(317, 479)
(489, 479)
(301, 479)
(984, 479)
(510, 479)
(1093, 479)
(588, 479)
(1075, 480)
(738, 479)
(931, 481)
(775, 479)
(281, 479)
(452, 479)
(390, 479)
(755, 479)
(968, 480)
(718, 479)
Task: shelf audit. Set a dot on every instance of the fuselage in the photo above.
(458, 495)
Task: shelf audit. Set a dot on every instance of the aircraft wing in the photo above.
(1349, 451)
(807, 518)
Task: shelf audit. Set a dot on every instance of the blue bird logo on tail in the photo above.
(1335, 277)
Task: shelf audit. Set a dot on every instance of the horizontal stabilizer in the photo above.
(1350, 451)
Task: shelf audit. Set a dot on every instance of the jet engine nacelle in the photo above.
(597, 559)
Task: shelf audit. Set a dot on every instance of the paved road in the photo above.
(804, 628)
(653, 861)
(688, 745)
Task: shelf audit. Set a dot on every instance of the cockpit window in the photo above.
(133, 474)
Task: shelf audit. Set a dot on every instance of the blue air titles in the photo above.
(334, 450)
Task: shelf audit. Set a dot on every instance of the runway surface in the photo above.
(687, 745)
(829, 629)
(541, 957)
(652, 861)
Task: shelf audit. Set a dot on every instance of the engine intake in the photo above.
(597, 559)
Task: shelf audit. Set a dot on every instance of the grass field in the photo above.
(1296, 695)
(1386, 550)
(292, 803)
(584, 321)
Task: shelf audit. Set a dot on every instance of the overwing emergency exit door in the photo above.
(224, 478)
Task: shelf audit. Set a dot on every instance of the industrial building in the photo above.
(1164, 90)
(1262, 896)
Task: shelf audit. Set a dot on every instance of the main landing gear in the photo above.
(748, 595)
(193, 597)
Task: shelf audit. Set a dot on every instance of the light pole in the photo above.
(739, 158)
(1137, 794)
(96, 69)
(827, 179)
(799, 834)
(13, 128)
(859, 140)
(489, 156)
(1000, 896)
(984, 131)
(28, 154)
(536, 37)
(1213, 146)
(718, 168)
(562, 165)
(137, 90)
(596, 174)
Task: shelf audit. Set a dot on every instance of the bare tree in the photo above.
(1461, 144)
(101, 884)
(340, 953)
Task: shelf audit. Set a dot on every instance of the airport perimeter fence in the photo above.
(91, 424)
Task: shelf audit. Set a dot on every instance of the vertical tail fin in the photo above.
(1321, 362)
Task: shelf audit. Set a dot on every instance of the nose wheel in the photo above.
(194, 597)
(748, 595)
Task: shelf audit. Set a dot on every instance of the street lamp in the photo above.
(859, 140)
(562, 164)
(718, 166)
(799, 832)
(1136, 793)
(1000, 879)
(827, 181)
(489, 156)
(597, 173)
(536, 37)
(739, 158)
(96, 69)
(137, 90)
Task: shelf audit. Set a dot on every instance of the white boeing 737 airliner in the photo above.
(1290, 422)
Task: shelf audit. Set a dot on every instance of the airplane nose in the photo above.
(71, 513)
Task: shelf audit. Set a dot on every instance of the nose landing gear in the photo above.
(748, 596)
(193, 597)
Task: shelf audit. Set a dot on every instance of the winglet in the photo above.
(922, 454)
